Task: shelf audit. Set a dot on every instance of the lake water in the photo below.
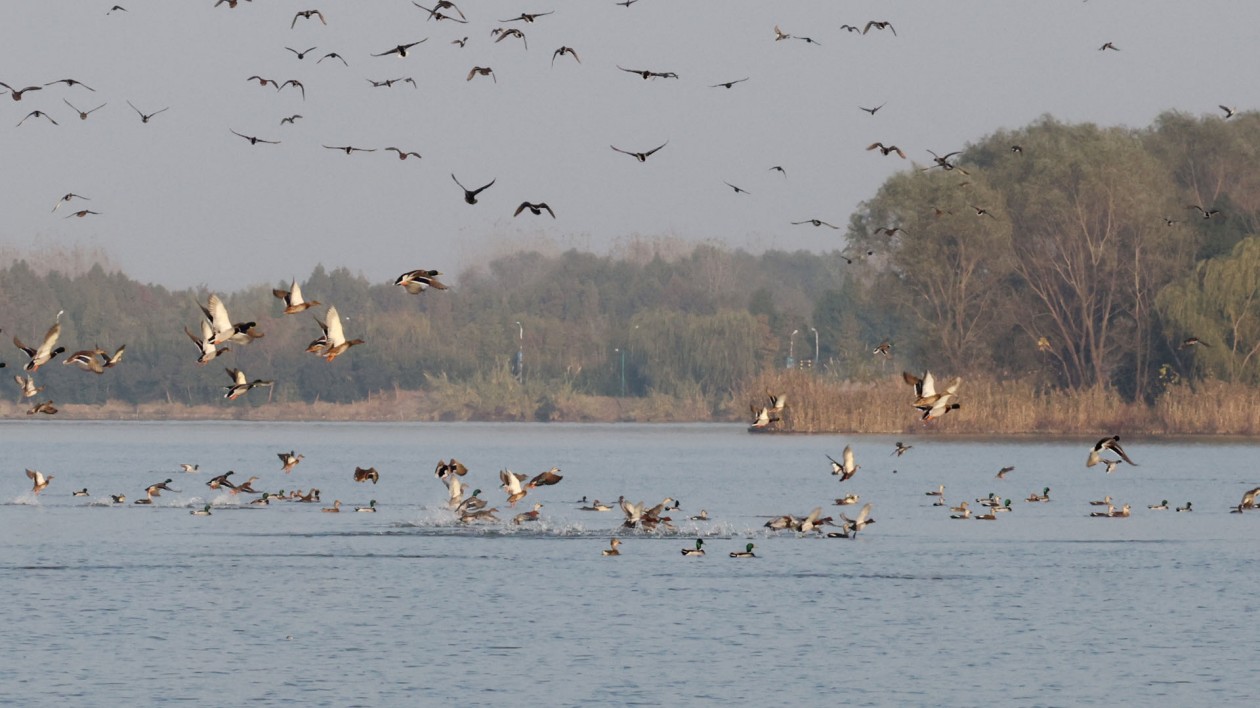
(117, 605)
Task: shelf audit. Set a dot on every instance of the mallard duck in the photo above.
(366, 474)
(46, 407)
(847, 500)
(265, 499)
(289, 459)
(40, 480)
(702, 516)
(546, 478)
(811, 521)
(205, 511)
(1111, 510)
(535, 209)
(401, 49)
(763, 418)
(505, 33)
(596, 505)
(481, 71)
(848, 468)
(1006, 506)
(189, 468)
(851, 527)
(417, 281)
(470, 195)
(292, 298)
(697, 551)
(640, 156)
(472, 503)
(369, 509)
(148, 500)
(45, 352)
(221, 481)
(335, 343)
(1043, 497)
(1248, 499)
(86, 360)
(1185, 508)
(205, 343)
(247, 486)
(224, 329)
(1162, 506)
(512, 485)
(562, 51)
(480, 515)
(118, 498)
(1005, 471)
(27, 384)
(1105, 501)
(335, 508)
(900, 449)
(525, 516)
(612, 548)
(1123, 512)
(961, 508)
(746, 553)
(241, 385)
(964, 514)
(632, 511)
(80, 492)
(1112, 443)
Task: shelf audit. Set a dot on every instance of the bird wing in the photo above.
(649, 152)
(510, 482)
(295, 294)
(217, 313)
(332, 327)
(863, 514)
(50, 339)
(849, 466)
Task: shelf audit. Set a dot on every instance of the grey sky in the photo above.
(183, 201)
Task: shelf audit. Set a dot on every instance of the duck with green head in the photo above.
(746, 553)
(205, 511)
(697, 551)
(369, 509)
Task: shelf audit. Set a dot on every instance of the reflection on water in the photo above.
(285, 604)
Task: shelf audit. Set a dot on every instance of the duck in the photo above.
(480, 515)
(1111, 510)
(309, 497)
(86, 360)
(39, 479)
(189, 468)
(562, 51)
(265, 499)
(366, 474)
(223, 328)
(612, 548)
(811, 521)
(334, 509)
(1112, 443)
(472, 503)
(1105, 501)
(241, 384)
(247, 486)
(847, 500)
(220, 481)
(702, 516)
(1005, 471)
(845, 469)
(525, 516)
(369, 509)
(938, 492)
(1248, 499)
(640, 156)
(80, 492)
(289, 459)
(45, 407)
(901, 449)
(746, 553)
(1035, 497)
(27, 384)
(961, 508)
(470, 195)
(1006, 506)
(118, 498)
(148, 500)
(1185, 508)
(45, 352)
(205, 511)
(335, 342)
(417, 281)
(991, 516)
(205, 343)
(851, 527)
(596, 505)
(155, 490)
(512, 485)
(547, 478)
(1162, 506)
(505, 33)
(964, 514)
(535, 209)
(481, 71)
(292, 299)
(697, 551)
(1123, 512)
(401, 49)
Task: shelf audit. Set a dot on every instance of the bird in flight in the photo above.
(526, 17)
(144, 117)
(738, 190)
(306, 15)
(728, 84)
(561, 52)
(1110, 46)
(1229, 112)
(879, 25)
(648, 74)
(872, 111)
(38, 114)
(1112, 443)
(535, 209)
(640, 156)
(403, 155)
(1207, 213)
(16, 94)
(417, 281)
(440, 5)
(814, 222)
(294, 82)
(779, 168)
(301, 55)
(333, 55)
(481, 71)
(254, 141)
(470, 195)
(71, 82)
(401, 49)
(290, 119)
(82, 213)
(67, 198)
(83, 114)
(505, 33)
(347, 149)
(887, 149)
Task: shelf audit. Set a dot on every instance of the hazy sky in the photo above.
(183, 201)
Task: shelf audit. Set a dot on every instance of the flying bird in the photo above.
(562, 51)
(1229, 112)
(144, 117)
(347, 149)
(845, 469)
(262, 81)
(333, 55)
(481, 71)
(879, 25)
(222, 326)
(294, 82)
(289, 459)
(417, 281)
(505, 33)
(887, 149)
(16, 94)
(290, 119)
(648, 74)
(306, 15)
(1207, 213)
(241, 385)
(40, 481)
(470, 195)
(47, 408)
(38, 114)
(815, 222)
(535, 209)
(440, 5)
(82, 213)
(301, 55)
(254, 141)
(526, 17)
(874, 110)
(401, 49)
(1112, 443)
(738, 190)
(82, 113)
(403, 155)
(1110, 46)
(728, 84)
(65, 199)
(640, 156)
(45, 352)
(293, 302)
(1190, 342)
(335, 342)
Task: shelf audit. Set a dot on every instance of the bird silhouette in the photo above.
(470, 195)
(640, 156)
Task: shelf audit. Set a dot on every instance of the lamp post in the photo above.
(815, 364)
(520, 353)
(623, 370)
(791, 357)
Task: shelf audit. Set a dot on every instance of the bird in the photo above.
(440, 5)
(1248, 499)
(874, 110)
(505, 33)
(334, 509)
(640, 156)
(942, 161)
(815, 222)
(335, 342)
(546, 478)
(777, 402)
(301, 55)
(189, 468)
(82, 113)
(80, 492)
(224, 329)
(118, 498)
(981, 211)
(697, 551)
(879, 25)
(901, 449)
(116, 8)
(884, 349)
(144, 117)
(1162, 506)
(333, 55)
(1105, 501)
(1185, 508)
(845, 469)
(746, 553)
(1005, 471)
(27, 385)
(562, 51)
(86, 360)
(728, 84)
(241, 385)
(369, 509)
(417, 281)
(1043, 497)
(763, 418)
(66, 198)
(45, 352)
(204, 511)
(527, 17)
(289, 459)
(807, 40)
(847, 500)
(738, 190)
(461, 42)
(885, 150)
(389, 83)
(851, 28)
(470, 195)
(205, 343)
(851, 527)
(38, 114)
(1108, 45)
(535, 209)
(780, 35)
(254, 141)
(1190, 342)
(292, 298)
(155, 490)
(401, 49)
(1229, 112)
(39, 479)
(1207, 213)
(16, 94)
(403, 155)
(525, 516)
(348, 149)
(294, 82)
(613, 543)
(362, 474)
(262, 81)
(481, 71)
(306, 15)
(472, 503)
(81, 213)
(780, 170)
(512, 485)
(1112, 443)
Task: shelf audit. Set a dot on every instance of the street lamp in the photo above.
(623, 370)
(815, 345)
(520, 353)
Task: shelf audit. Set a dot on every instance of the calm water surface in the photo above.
(114, 605)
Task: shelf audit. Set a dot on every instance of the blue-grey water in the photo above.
(123, 604)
